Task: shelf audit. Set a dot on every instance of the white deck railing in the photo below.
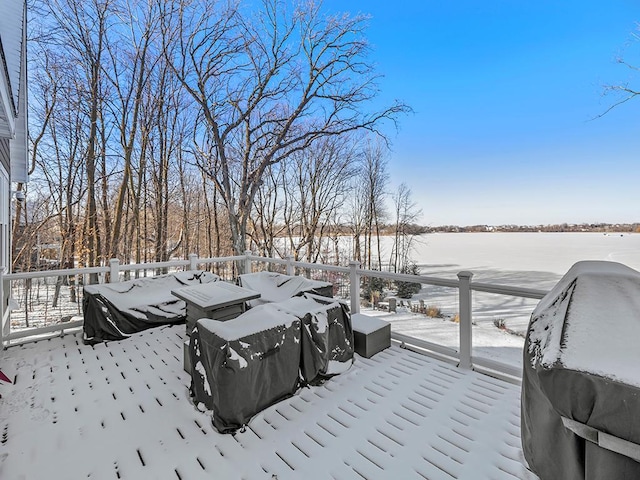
(350, 278)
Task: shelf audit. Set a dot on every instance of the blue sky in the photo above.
(504, 95)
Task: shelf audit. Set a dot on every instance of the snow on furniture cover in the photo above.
(327, 335)
(581, 378)
(244, 365)
(113, 311)
(276, 287)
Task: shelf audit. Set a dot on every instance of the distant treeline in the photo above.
(562, 227)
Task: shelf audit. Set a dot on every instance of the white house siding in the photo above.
(13, 112)
(5, 218)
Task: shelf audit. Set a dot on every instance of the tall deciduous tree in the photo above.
(82, 31)
(274, 93)
(375, 178)
(269, 83)
(132, 60)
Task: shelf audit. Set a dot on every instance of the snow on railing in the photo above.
(348, 278)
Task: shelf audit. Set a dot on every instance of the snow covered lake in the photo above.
(528, 260)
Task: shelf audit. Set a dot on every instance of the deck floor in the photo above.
(122, 410)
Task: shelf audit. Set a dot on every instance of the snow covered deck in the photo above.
(122, 410)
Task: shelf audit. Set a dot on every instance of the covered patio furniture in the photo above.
(276, 287)
(244, 365)
(114, 311)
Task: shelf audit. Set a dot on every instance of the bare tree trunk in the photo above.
(375, 178)
(407, 212)
(186, 204)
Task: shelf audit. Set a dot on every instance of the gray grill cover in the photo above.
(114, 311)
(244, 365)
(581, 362)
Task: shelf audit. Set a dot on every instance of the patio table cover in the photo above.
(581, 380)
(114, 311)
(244, 365)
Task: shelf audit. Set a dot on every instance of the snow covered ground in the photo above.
(528, 260)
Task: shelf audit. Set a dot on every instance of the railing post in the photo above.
(193, 261)
(466, 334)
(247, 261)
(114, 274)
(354, 287)
(291, 270)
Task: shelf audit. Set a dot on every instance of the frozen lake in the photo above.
(529, 260)
(534, 260)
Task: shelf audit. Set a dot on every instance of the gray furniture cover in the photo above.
(581, 378)
(114, 311)
(276, 287)
(327, 336)
(244, 365)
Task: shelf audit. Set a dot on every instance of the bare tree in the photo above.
(269, 84)
(375, 178)
(215, 227)
(316, 186)
(356, 207)
(626, 91)
(274, 94)
(406, 214)
(131, 63)
(57, 149)
(267, 221)
(47, 85)
(81, 28)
